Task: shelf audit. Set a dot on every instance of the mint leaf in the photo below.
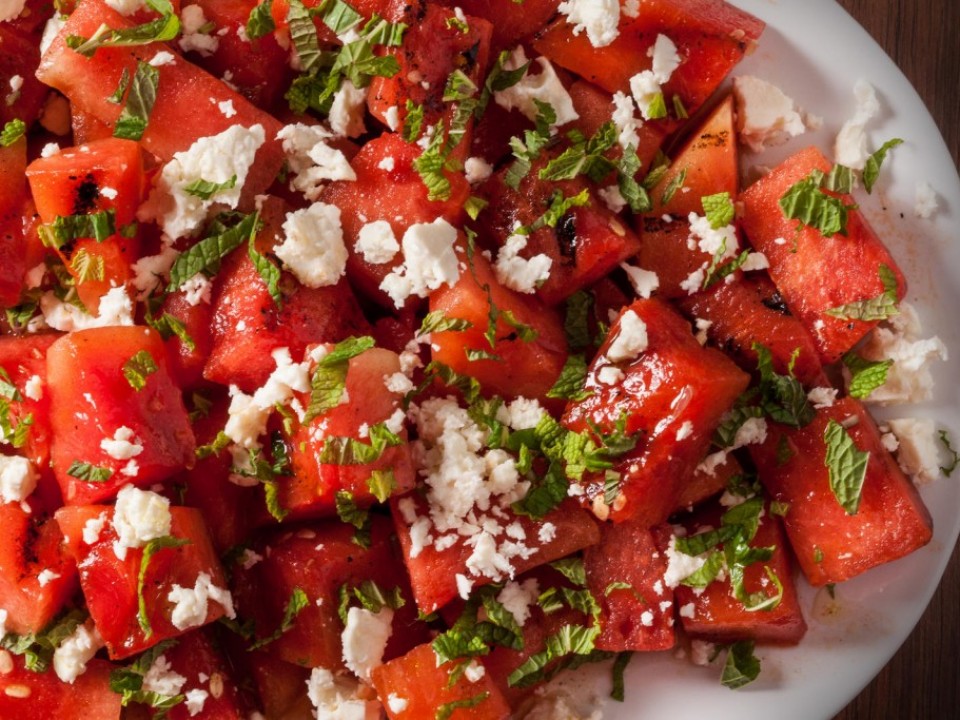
(89, 473)
(268, 271)
(955, 457)
(260, 22)
(64, 230)
(847, 466)
(438, 322)
(569, 386)
(295, 604)
(329, 379)
(742, 666)
(447, 709)
(162, 29)
(12, 131)
(718, 209)
(865, 375)
(807, 202)
(205, 190)
(881, 307)
(871, 171)
(135, 115)
(138, 368)
(206, 255)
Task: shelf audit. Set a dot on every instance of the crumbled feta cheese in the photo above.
(197, 289)
(474, 671)
(93, 527)
(612, 198)
(377, 243)
(46, 577)
(926, 202)
(152, 270)
(897, 339)
(392, 117)
(547, 532)
(123, 445)
(388, 164)
(398, 383)
(544, 86)
(108, 192)
(918, 452)
(190, 604)
(701, 651)
(139, 516)
(215, 159)
(685, 431)
(162, 679)
(523, 413)
(765, 115)
(77, 649)
(517, 598)
(159, 60)
(227, 108)
(755, 261)
(477, 170)
(702, 327)
(626, 121)
(126, 7)
(364, 639)
(850, 148)
(610, 375)
(688, 610)
(396, 704)
(192, 20)
(336, 698)
(710, 240)
(248, 414)
(518, 273)
(50, 30)
(194, 700)
(116, 308)
(631, 340)
(822, 397)
(429, 261)
(17, 478)
(680, 566)
(49, 150)
(694, 281)
(313, 248)
(644, 282)
(645, 86)
(889, 441)
(346, 112)
(311, 160)
(600, 19)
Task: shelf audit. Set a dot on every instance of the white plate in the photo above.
(815, 52)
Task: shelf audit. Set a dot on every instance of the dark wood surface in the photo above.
(922, 682)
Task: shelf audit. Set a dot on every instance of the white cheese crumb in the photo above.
(545, 87)
(645, 86)
(77, 649)
(918, 452)
(123, 445)
(162, 679)
(600, 19)
(49, 150)
(822, 397)
(396, 704)
(518, 273)
(139, 516)
(850, 148)
(194, 700)
(336, 698)
(474, 672)
(313, 248)
(215, 159)
(477, 170)
(159, 60)
(126, 7)
(625, 119)
(926, 203)
(311, 160)
(93, 527)
(685, 431)
(765, 115)
(610, 375)
(190, 604)
(50, 30)
(377, 243)
(364, 639)
(688, 610)
(429, 261)
(612, 198)
(898, 339)
(17, 478)
(517, 598)
(701, 651)
(197, 289)
(46, 577)
(192, 20)
(631, 340)
(755, 261)
(346, 112)
(644, 282)
(116, 308)
(680, 566)
(227, 108)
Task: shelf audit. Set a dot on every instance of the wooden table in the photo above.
(922, 682)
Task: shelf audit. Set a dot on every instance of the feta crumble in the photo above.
(192, 20)
(190, 604)
(75, 651)
(644, 282)
(850, 148)
(518, 273)
(376, 242)
(364, 639)
(766, 117)
(645, 86)
(18, 479)
(918, 452)
(599, 19)
(311, 160)
(631, 340)
(124, 445)
(544, 86)
(116, 308)
(925, 202)
(429, 261)
(336, 698)
(139, 516)
(313, 248)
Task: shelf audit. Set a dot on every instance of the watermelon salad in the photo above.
(390, 357)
